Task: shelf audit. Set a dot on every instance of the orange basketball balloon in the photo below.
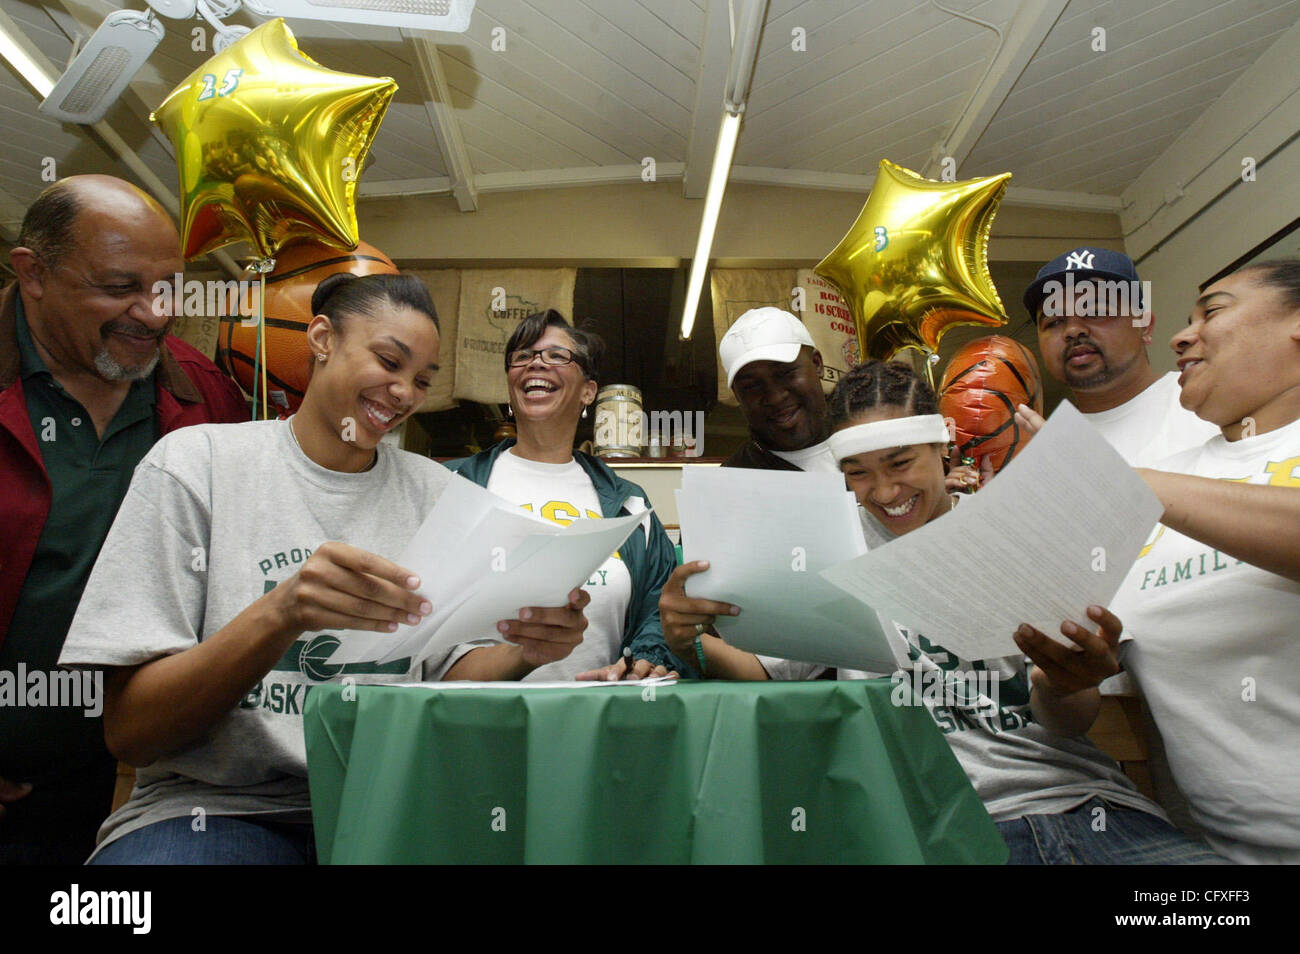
(981, 387)
(299, 268)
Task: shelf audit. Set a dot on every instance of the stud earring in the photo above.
(320, 357)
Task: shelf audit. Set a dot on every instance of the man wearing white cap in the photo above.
(774, 370)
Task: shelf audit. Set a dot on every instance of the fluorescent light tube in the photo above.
(32, 72)
(726, 148)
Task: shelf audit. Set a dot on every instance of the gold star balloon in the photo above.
(915, 263)
(269, 145)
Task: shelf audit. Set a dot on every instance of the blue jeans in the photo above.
(226, 841)
(1098, 833)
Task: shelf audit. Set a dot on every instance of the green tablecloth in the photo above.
(703, 772)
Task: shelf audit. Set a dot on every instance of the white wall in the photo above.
(1191, 214)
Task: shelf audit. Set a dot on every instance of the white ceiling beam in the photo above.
(802, 178)
(437, 103)
(520, 181)
(568, 178)
(392, 188)
(1020, 40)
(845, 182)
(751, 175)
(710, 84)
(1065, 201)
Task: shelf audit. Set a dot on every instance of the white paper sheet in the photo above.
(480, 559)
(766, 535)
(540, 571)
(1054, 532)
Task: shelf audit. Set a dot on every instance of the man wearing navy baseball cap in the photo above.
(1094, 323)
(1094, 319)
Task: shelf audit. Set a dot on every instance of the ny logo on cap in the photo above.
(1080, 259)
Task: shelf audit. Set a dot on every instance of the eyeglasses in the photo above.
(553, 356)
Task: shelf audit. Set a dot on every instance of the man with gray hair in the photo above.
(89, 380)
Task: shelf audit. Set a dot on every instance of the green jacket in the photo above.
(649, 566)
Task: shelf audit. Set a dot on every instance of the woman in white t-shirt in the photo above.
(1020, 737)
(1213, 600)
(551, 374)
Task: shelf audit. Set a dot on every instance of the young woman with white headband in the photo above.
(1021, 737)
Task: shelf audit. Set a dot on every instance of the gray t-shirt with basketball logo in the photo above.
(1016, 765)
(216, 516)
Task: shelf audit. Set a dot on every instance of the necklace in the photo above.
(371, 466)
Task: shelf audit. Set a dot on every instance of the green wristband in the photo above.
(699, 653)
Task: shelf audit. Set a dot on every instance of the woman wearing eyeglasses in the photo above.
(551, 374)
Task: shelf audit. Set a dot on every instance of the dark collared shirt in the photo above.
(89, 476)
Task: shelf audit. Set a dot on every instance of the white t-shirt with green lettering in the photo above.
(563, 493)
(1216, 653)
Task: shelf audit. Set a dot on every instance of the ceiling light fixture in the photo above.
(123, 43)
(744, 52)
(103, 67)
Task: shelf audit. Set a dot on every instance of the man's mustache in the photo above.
(134, 330)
